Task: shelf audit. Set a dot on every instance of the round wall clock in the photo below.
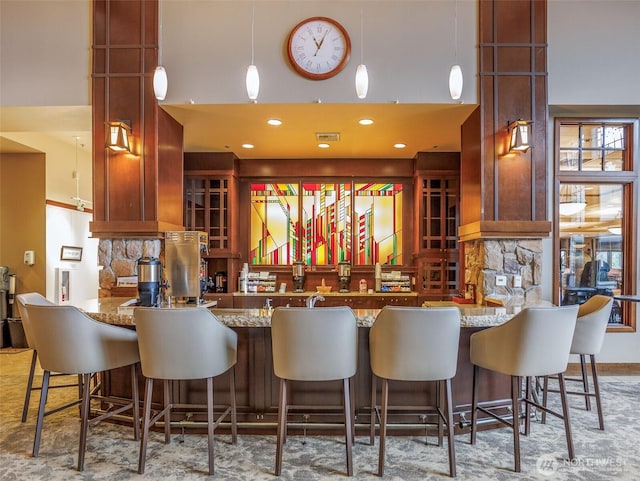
(318, 48)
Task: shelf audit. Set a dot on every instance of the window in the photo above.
(326, 223)
(596, 184)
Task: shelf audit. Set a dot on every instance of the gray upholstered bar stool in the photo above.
(535, 342)
(415, 344)
(591, 326)
(314, 344)
(71, 342)
(38, 299)
(184, 344)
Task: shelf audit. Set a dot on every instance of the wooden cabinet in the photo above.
(355, 301)
(223, 300)
(437, 259)
(211, 205)
(207, 208)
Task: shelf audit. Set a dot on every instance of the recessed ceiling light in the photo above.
(323, 146)
(247, 146)
(365, 121)
(275, 122)
(399, 145)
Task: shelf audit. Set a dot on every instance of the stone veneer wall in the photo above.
(119, 258)
(485, 259)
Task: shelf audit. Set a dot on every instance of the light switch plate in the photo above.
(501, 280)
(517, 281)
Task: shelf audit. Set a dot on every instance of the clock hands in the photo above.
(318, 45)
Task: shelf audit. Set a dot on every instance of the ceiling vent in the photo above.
(327, 136)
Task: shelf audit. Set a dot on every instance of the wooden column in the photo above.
(503, 194)
(137, 194)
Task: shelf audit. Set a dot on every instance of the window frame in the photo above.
(628, 178)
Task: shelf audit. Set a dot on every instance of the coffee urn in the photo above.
(149, 281)
(298, 276)
(344, 276)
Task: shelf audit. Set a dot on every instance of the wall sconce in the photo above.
(520, 135)
(118, 140)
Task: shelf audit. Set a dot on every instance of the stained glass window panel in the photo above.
(378, 218)
(326, 223)
(274, 223)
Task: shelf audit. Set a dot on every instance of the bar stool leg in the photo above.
(516, 386)
(41, 412)
(565, 415)
(545, 391)
(348, 422)
(167, 413)
(450, 433)
(439, 404)
(282, 425)
(146, 418)
(135, 407)
(234, 417)
(585, 382)
(596, 388)
(210, 423)
(27, 395)
(527, 418)
(474, 403)
(84, 418)
(383, 425)
(372, 426)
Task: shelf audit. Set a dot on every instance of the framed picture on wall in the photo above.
(68, 253)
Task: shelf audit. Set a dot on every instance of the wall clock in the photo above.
(318, 48)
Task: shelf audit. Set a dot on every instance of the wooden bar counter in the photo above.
(313, 404)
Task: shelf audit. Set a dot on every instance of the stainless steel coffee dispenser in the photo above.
(298, 276)
(344, 276)
(183, 251)
(149, 281)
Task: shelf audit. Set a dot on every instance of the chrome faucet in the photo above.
(311, 300)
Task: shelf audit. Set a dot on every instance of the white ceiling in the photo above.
(221, 128)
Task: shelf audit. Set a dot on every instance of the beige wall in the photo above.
(22, 218)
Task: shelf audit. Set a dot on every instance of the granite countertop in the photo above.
(112, 311)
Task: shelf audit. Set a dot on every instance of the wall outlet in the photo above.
(501, 280)
(517, 281)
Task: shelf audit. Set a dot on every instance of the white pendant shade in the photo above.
(455, 82)
(160, 82)
(571, 208)
(362, 81)
(253, 82)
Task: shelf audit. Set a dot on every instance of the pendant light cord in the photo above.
(253, 19)
(455, 33)
(159, 33)
(361, 36)
(77, 173)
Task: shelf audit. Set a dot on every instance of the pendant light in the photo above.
(80, 202)
(253, 79)
(160, 81)
(455, 74)
(362, 77)
(572, 200)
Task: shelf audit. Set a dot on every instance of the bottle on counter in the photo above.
(362, 286)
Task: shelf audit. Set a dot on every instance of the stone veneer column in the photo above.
(487, 258)
(119, 258)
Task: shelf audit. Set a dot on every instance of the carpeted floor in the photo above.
(112, 454)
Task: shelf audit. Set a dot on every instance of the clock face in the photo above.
(318, 48)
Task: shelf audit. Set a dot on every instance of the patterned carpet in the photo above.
(112, 454)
